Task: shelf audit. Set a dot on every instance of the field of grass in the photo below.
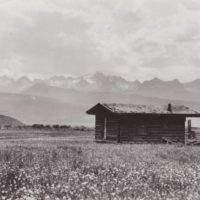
(41, 166)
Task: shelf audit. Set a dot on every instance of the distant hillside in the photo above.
(9, 121)
(34, 109)
(91, 97)
(87, 99)
(193, 86)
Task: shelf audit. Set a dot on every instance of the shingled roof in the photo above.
(144, 109)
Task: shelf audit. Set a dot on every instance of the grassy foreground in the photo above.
(74, 167)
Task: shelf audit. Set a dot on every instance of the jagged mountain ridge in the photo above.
(96, 82)
(100, 82)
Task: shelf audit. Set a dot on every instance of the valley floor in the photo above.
(69, 165)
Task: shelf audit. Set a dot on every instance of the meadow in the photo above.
(69, 165)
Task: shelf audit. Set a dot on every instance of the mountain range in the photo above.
(100, 82)
(64, 99)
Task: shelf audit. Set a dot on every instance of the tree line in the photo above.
(55, 127)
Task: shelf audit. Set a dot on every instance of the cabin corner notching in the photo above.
(140, 123)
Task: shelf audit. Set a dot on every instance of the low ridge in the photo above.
(7, 121)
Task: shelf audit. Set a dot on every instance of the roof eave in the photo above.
(164, 114)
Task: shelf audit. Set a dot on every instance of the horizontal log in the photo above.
(112, 125)
(154, 136)
(111, 138)
(99, 124)
(112, 130)
(112, 121)
(128, 129)
(99, 132)
(111, 135)
(164, 135)
(98, 137)
(98, 129)
(134, 140)
(99, 120)
(148, 132)
(166, 131)
(150, 139)
(153, 128)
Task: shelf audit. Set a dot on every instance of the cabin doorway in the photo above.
(190, 132)
(190, 129)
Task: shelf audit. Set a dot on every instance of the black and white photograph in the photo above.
(99, 100)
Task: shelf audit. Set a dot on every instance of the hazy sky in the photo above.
(137, 39)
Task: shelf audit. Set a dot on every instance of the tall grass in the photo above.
(74, 170)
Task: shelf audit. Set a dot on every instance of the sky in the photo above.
(135, 39)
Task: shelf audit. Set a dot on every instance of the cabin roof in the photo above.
(143, 109)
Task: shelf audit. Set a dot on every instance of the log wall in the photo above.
(112, 128)
(153, 129)
(141, 128)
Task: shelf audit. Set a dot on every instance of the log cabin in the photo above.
(140, 123)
